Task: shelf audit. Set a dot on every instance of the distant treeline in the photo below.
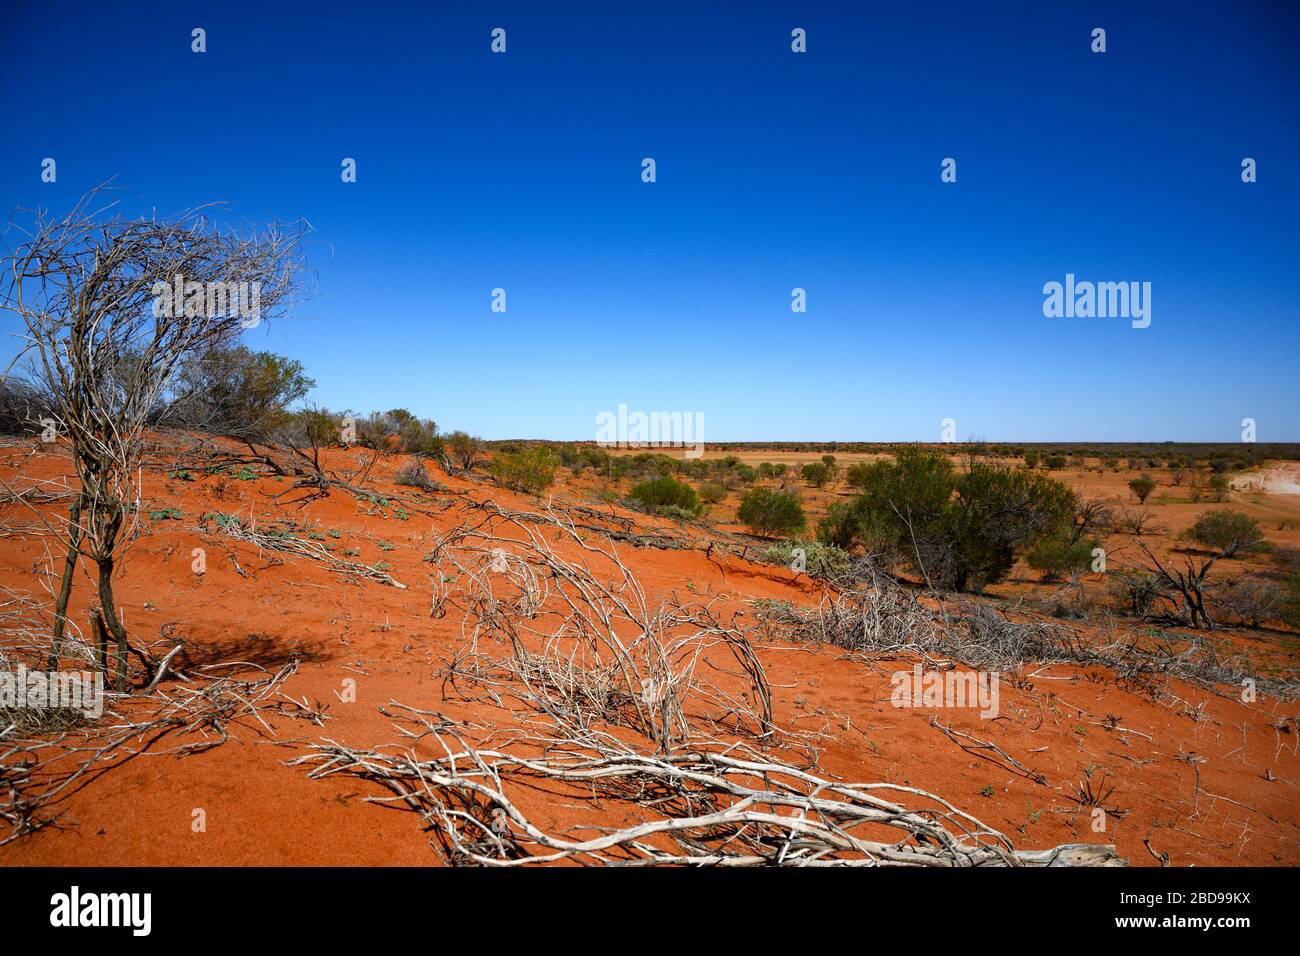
(1163, 451)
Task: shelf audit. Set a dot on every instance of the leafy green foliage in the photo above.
(1228, 532)
(959, 531)
(531, 470)
(769, 512)
(665, 492)
(815, 473)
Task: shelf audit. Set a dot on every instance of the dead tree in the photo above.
(1185, 588)
(111, 306)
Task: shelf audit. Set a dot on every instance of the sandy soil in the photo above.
(1280, 479)
(1203, 776)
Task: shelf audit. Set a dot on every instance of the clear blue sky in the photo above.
(775, 170)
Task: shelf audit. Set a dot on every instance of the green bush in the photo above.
(960, 531)
(665, 492)
(769, 512)
(858, 474)
(712, 492)
(413, 475)
(1228, 532)
(1142, 488)
(1055, 462)
(1059, 556)
(463, 450)
(816, 474)
(1291, 607)
(820, 560)
(531, 470)
(236, 391)
(677, 513)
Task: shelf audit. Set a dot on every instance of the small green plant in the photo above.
(166, 514)
(221, 520)
(245, 474)
(987, 790)
(814, 558)
(180, 475)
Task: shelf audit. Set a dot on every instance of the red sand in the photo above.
(259, 811)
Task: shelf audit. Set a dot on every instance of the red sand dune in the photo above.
(259, 811)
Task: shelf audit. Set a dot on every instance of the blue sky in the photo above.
(775, 170)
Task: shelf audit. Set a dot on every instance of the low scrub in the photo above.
(813, 558)
(530, 470)
(664, 492)
(769, 512)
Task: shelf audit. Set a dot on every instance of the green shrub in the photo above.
(819, 560)
(858, 474)
(1059, 556)
(815, 473)
(531, 470)
(712, 492)
(1055, 462)
(676, 512)
(1228, 532)
(1291, 607)
(464, 450)
(960, 531)
(236, 391)
(413, 475)
(1142, 488)
(769, 512)
(665, 492)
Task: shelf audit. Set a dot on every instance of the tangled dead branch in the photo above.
(288, 544)
(602, 652)
(591, 660)
(41, 767)
(882, 618)
(705, 808)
